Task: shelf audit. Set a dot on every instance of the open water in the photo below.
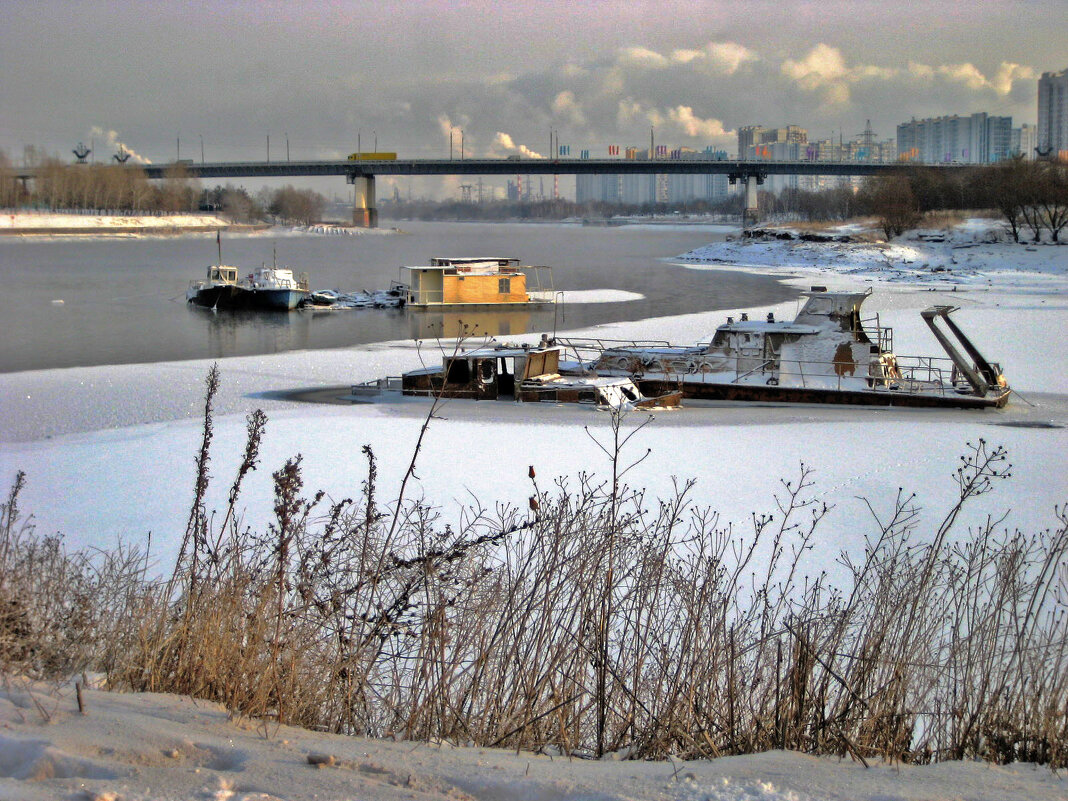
(77, 302)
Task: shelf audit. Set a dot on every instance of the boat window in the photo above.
(504, 286)
(629, 393)
(459, 372)
(587, 396)
(485, 370)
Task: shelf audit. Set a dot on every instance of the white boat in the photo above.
(826, 354)
(266, 288)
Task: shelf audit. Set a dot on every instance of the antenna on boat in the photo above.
(218, 243)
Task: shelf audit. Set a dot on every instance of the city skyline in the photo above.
(218, 80)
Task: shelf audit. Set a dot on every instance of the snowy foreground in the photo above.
(149, 747)
(109, 453)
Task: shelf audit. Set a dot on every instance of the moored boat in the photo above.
(826, 354)
(528, 374)
(266, 288)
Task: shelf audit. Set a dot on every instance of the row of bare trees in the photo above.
(63, 186)
(1030, 196)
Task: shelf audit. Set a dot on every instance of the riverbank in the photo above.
(32, 223)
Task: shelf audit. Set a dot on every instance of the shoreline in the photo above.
(48, 223)
(157, 230)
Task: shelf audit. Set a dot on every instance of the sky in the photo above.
(326, 78)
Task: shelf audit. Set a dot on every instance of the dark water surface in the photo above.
(123, 300)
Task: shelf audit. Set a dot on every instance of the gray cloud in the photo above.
(596, 72)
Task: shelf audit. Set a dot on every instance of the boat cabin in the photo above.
(525, 374)
(222, 274)
(472, 281)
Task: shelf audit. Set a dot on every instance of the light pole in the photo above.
(287, 146)
(201, 148)
(179, 140)
(461, 144)
(376, 140)
(268, 148)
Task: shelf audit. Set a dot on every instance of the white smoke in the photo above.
(111, 139)
(504, 145)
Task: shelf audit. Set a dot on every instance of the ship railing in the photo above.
(593, 347)
(541, 296)
(882, 335)
(376, 386)
(910, 375)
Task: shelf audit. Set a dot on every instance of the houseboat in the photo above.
(473, 281)
(827, 354)
(527, 374)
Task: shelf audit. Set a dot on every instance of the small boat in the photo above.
(527, 374)
(334, 300)
(271, 288)
(266, 288)
(826, 354)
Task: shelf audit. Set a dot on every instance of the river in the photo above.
(79, 302)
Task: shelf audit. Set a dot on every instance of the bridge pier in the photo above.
(753, 179)
(364, 213)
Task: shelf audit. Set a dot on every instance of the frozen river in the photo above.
(83, 302)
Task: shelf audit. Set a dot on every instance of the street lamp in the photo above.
(201, 148)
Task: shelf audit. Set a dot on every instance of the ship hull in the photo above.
(713, 391)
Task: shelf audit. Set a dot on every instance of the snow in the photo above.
(150, 747)
(597, 296)
(976, 254)
(31, 221)
(109, 452)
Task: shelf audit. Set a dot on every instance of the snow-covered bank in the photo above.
(975, 254)
(149, 747)
(45, 223)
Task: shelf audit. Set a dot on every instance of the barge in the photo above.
(827, 354)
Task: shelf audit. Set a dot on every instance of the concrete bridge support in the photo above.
(752, 179)
(364, 212)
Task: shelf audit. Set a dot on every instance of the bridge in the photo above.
(362, 172)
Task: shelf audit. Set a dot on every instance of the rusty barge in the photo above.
(531, 375)
(828, 354)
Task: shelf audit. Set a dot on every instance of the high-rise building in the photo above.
(636, 189)
(1053, 114)
(1024, 141)
(748, 135)
(791, 133)
(976, 139)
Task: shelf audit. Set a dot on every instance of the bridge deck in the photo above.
(268, 169)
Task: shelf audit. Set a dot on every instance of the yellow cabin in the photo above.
(497, 281)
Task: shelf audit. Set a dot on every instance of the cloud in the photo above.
(728, 57)
(823, 64)
(693, 125)
(644, 57)
(111, 139)
(566, 106)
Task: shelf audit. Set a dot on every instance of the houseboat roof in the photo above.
(490, 265)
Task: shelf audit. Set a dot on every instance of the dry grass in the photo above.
(599, 621)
